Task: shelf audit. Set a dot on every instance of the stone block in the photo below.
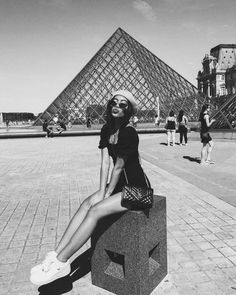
(130, 250)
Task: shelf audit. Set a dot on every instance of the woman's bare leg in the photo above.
(83, 233)
(173, 137)
(203, 152)
(209, 150)
(168, 137)
(77, 219)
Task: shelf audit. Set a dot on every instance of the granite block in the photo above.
(130, 250)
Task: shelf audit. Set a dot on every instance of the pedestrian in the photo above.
(156, 120)
(47, 129)
(7, 124)
(135, 121)
(118, 140)
(170, 126)
(183, 127)
(88, 122)
(61, 126)
(207, 142)
(69, 125)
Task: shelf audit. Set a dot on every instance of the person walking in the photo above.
(207, 142)
(183, 127)
(120, 141)
(88, 122)
(170, 126)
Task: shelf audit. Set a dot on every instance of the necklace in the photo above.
(114, 137)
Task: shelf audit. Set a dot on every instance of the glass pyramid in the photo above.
(224, 112)
(123, 63)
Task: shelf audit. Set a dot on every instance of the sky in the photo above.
(44, 44)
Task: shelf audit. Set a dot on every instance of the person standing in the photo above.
(88, 122)
(135, 121)
(170, 126)
(7, 124)
(119, 141)
(207, 142)
(156, 120)
(183, 127)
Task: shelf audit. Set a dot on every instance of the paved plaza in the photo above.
(43, 181)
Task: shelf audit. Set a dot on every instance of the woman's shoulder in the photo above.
(128, 131)
(104, 128)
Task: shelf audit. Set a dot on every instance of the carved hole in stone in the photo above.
(116, 267)
(154, 259)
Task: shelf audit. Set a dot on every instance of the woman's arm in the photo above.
(208, 122)
(104, 170)
(115, 175)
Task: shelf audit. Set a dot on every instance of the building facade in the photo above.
(230, 80)
(218, 75)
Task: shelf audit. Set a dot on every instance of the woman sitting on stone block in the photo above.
(119, 141)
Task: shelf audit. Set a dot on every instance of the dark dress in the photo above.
(126, 146)
(204, 134)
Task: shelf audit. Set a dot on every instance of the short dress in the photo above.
(126, 146)
(170, 125)
(204, 134)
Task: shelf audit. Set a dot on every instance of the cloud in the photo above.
(145, 9)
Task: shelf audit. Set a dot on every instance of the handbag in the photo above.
(136, 198)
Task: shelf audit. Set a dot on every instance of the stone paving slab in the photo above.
(44, 180)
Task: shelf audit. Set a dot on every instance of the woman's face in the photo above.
(118, 105)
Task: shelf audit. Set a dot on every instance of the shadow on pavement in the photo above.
(79, 268)
(193, 159)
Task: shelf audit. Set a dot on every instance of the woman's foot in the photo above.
(55, 270)
(50, 257)
(203, 163)
(210, 162)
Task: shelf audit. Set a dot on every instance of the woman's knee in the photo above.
(87, 203)
(94, 212)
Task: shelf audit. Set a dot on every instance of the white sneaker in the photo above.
(50, 257)
(56, 270)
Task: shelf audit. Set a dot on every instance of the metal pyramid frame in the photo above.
(225, 112)
(124, 63)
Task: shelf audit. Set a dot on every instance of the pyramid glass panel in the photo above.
(124, 63)
(224, 112)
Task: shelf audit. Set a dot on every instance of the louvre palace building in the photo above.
(217, 81)
(218, 76)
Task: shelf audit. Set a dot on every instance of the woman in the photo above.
(207, 143)
(183, 127)
(171, 128)
(120, 141)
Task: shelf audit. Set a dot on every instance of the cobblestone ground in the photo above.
(42, 182)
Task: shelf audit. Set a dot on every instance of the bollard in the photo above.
(130, 250)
